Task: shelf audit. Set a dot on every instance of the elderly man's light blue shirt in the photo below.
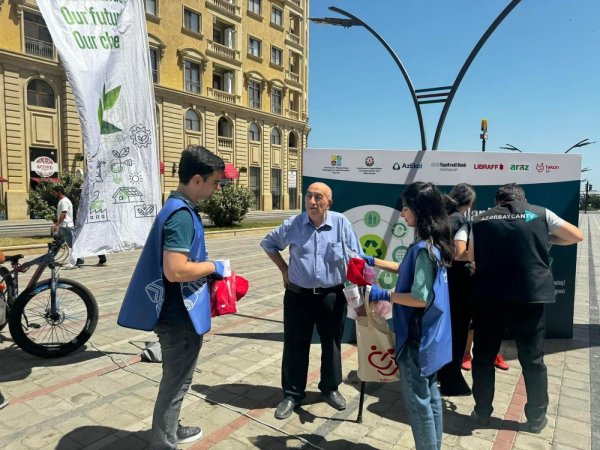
(317, 254)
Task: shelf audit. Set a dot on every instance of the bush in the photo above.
(42, 203)
(227, 206)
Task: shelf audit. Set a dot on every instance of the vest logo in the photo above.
(530, 216)
(369, 161)
(521, 167)
(488, 166)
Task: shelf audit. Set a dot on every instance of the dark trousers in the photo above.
(450, 376)
(526, 324)
(301, 311)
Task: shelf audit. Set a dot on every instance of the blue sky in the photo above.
(536, 80)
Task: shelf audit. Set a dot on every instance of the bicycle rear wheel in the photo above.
(7, 295)
(38, 331)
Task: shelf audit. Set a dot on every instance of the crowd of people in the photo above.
(488, 274)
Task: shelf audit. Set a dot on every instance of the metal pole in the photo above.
(400, 66)
(466, 66)
(587, 189)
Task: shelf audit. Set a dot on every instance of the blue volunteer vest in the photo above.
(435, 349)
(146, 292)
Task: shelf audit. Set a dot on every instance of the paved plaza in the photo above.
(103, 397)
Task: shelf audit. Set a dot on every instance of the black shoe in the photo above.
(79, 262)
(483, 421)
(285, 408)
(538, 427)
(335, 399)
(101, 260)
(3, 401)
(188, 434)
(455, 391)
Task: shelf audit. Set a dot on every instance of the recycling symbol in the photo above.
(373, 245)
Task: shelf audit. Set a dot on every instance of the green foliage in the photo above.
(107, 101)
(227, 206)
(42, 203)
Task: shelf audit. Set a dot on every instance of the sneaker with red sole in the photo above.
(466, 363)
(500, 363)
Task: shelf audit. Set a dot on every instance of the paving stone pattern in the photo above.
(102, 397)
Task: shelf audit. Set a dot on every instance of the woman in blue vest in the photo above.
(421, 317)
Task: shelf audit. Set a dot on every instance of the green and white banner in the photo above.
(367, 186)
(103, 46)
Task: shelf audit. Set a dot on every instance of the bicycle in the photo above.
(50, 318)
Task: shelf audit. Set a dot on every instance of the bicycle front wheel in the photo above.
(49, 334)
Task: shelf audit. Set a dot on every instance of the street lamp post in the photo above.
(512, 148)
(581, 143)
(445, 97)
(483, 134)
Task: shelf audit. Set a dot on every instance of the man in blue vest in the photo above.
(172, 298)
(512, 282)
(320, 241)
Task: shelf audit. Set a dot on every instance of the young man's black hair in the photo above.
(510, 192)
(198, 160)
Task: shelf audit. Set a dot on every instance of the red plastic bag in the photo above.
(225, 293)
(355, 272)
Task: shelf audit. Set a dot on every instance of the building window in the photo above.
(152, 7)
(38, 41)
(224, 128)
(276, 188)
(254, 6)
(277, 56)
(154, 64)
(254, 186)
(254, 47)
(254, 94)
(254, 132)
(276, 16)
(276, 136)
(191, 20)
(293, 140)
(192, 77)
(276, 101)
(192, 121)
(39, 93)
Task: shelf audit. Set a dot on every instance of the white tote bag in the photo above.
(376, 352)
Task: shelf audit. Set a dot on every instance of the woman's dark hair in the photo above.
(198, 160)
(432, 224)
(510, 193)
(461, 195)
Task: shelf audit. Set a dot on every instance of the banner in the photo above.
(103, 46)
(367, 187)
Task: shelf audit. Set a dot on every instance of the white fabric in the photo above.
(112, 85)
(65, 205)
(461, 234)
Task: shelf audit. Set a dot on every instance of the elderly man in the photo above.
(320, 242)
(513, 281)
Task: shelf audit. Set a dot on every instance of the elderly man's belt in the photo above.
(314, 291)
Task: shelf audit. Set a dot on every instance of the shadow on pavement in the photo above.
(21, 362)
(281, 442)
(275, 337)
(87, 435)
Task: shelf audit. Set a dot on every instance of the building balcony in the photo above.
(293, 114)
(223, 51)
(229, 7)
(39, 48)
(223, 96)
(293, 39)
(225, 143)
(291, 76)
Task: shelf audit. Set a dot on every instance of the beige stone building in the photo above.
(231, 75)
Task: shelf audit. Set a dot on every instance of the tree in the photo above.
(228, 206)
(42, 203)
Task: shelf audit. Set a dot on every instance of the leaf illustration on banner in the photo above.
(108, 100)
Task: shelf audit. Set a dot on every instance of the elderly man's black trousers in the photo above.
(303, 310)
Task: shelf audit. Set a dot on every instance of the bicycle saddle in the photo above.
(14, 259)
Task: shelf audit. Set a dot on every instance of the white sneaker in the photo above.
(69, 266)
